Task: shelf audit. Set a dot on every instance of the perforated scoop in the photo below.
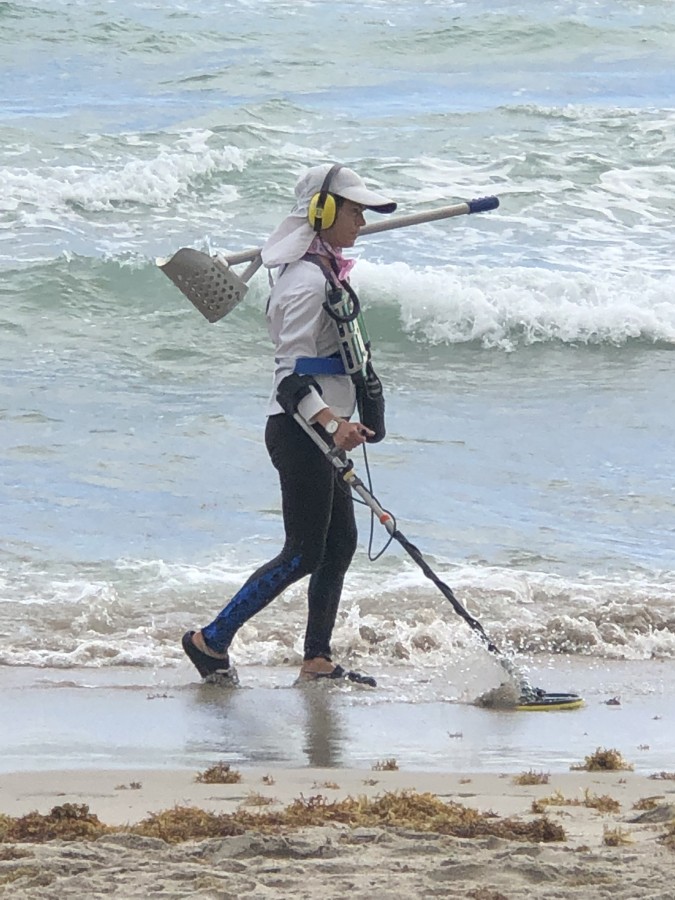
(206, 281)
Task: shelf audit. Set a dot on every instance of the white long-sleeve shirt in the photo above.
(300, 326)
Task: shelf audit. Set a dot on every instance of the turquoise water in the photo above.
(527, 352)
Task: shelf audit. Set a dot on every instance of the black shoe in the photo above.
(340, 674)
(212, 669)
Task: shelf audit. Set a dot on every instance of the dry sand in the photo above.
(336, 861)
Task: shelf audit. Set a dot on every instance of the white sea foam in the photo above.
(148, 175)
(392, 615)
(520, 306)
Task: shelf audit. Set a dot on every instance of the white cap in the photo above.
(292, 238)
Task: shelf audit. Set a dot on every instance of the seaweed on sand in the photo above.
(603, 761)
(603, 803)
(219, 773)
(408, 809)
(69, 822)
(532, 777)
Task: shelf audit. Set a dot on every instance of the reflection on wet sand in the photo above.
(302, 725)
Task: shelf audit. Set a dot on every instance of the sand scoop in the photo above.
(525, 697)
(210, 284)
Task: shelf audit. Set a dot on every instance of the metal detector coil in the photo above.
(206, 281)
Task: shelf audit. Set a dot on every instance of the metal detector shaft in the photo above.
(345, 467)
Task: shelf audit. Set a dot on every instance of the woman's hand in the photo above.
(350, 435)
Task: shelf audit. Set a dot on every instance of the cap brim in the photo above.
(370, 199)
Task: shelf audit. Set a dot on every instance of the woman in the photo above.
(318, 511)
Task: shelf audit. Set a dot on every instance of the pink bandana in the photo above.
(323, 248)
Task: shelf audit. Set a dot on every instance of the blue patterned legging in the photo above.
(318, 512)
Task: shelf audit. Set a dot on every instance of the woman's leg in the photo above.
(307, 488)
(325, 585)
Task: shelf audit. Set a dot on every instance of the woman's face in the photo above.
(348, 222)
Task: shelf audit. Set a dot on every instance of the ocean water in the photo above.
(528, 353)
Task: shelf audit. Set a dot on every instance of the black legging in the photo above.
(320, 541)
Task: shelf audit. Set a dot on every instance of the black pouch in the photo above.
(370, 402)
(292, 389)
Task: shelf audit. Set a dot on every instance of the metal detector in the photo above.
(209, 282)
(529, 699)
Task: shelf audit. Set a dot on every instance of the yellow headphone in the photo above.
(323, 206)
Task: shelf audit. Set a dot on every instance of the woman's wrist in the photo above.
(325, 416)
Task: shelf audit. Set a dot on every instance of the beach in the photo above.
(385, 861)
(131, 744)
(526, 354)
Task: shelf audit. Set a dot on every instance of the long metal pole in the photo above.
(483, 204)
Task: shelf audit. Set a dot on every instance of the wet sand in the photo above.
(145, 718)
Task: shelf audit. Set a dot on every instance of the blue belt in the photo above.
(319, 365)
